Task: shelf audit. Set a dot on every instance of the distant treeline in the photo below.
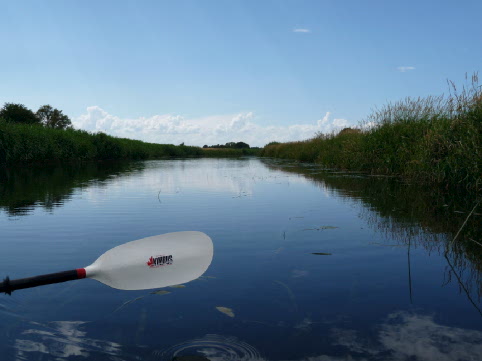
(48, 135)
(230, 149)
(231, 145)
(430, 140)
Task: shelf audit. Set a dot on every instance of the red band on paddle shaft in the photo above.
(80, 273)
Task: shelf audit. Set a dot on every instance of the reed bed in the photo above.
(23, 143)
(229, 152)
(427, 140)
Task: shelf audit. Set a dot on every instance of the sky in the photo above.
(211, 72)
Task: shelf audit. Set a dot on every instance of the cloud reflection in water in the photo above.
(402, 336)
(63, 340)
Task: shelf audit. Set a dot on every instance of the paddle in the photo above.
(153, 262)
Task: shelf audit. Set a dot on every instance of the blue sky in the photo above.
(218, 71)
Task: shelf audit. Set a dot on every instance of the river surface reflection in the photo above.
(308, 264)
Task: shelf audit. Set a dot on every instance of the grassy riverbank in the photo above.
(429, 140)
(23, 143)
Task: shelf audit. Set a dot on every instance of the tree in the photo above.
(53, 118)
(241, 145)
(18, 113)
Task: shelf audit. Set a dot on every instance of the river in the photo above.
(309, 264)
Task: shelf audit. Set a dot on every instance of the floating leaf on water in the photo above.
(321, 254)
(160, 292)
(205, 278)
(178, 286)
(387, 245)
(226, 310)
(321, 228)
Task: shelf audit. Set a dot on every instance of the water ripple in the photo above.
(213, 347)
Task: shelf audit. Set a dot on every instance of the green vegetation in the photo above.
(46, 115)
(48, 135)
(51, 185)
(230, 149)
(229, 152)
(53, 118)
(429, 140)
(229, 145)
(18, 113)
(24, 143)
(410, 214)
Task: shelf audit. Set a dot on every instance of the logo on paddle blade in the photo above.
(159, 261)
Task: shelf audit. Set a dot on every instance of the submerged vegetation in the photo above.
(411, 215)
(427, 140)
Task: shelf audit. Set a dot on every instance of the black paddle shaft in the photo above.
(8, 285)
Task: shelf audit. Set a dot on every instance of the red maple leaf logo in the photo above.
(150, 262)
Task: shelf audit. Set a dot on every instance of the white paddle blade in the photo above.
(154, 262)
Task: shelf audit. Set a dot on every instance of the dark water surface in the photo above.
(380, 287)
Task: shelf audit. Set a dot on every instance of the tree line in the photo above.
(231, 145)
(46, 115)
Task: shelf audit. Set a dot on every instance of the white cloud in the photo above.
(300, 30)
(404, 69)
(339, 123)
(323, 121)
(98, 119)
(216, 129)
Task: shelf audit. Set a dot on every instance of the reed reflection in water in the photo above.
(312, 264)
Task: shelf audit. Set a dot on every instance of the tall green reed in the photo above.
(434, 139)
(21, 143)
